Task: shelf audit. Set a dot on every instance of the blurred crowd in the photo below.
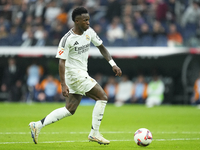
(117, 22)
(36, 85)
(135, 90)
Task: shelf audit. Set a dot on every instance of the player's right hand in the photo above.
(65, 90)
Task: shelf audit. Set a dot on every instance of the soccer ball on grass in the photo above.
(143, 137)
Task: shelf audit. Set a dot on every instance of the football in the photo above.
(143, 137)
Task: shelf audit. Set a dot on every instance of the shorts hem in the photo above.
(90, 88)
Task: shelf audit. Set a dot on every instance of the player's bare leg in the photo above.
(72, 103)
(98, 94)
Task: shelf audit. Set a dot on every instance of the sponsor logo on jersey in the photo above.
(60, 52)
(87, 37)
(82, 49)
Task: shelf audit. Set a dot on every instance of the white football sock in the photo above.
(97, 116)
(55, 116)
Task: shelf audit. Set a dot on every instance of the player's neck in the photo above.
(77, 31)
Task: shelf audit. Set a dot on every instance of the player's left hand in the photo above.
(117, 71)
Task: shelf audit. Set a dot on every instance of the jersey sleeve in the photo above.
(63, 49)
(95, 38)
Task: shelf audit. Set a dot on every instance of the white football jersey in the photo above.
(75, 48)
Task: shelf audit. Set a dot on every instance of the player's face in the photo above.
(83, 22)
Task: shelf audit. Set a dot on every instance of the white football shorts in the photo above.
(79, 81)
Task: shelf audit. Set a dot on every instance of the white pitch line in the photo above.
(111, 132)
(160, 140)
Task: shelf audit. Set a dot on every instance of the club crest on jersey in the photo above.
(87, 37)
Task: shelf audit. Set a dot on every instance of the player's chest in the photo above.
(80, 44)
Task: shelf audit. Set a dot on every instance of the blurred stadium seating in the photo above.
(17, 16)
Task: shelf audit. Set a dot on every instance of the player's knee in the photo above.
(101, 96)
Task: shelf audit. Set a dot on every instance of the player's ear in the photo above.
(77, 19)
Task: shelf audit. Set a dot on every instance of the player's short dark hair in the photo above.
(78, 11)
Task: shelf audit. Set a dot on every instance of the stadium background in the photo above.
(26, 24)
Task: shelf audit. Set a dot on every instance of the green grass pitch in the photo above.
(173, 127)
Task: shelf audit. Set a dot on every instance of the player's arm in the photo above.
(108, 57)
(65, 90)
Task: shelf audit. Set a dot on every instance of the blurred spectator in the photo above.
(142, 5)
(4, 33)
(28, 22)
(191, 14)
(4, 95)
(138, 19)
(5, 23)
(126, 20)
(115, 30)
(28, 38)
(161, 10)
(158, 29)
(124, 91)
(34, 73)
(139, 90)
(174, 37)
(159, 34)
(17, 23)
(155, 91)
(49, 90)
(130, 32)
(130, 35)
(145, 36)
(38, 9)
(111, 89)
(12, 81)
(144, 30)
(15, 37)
(52, 11)
(40, 35)
(114, 8)
(171, 14)
(22, 12)
(62, 17)
(196, 92)
(6, 10)
(128, 10)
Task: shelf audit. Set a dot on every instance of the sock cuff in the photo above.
(101, 102)
(67, 113)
